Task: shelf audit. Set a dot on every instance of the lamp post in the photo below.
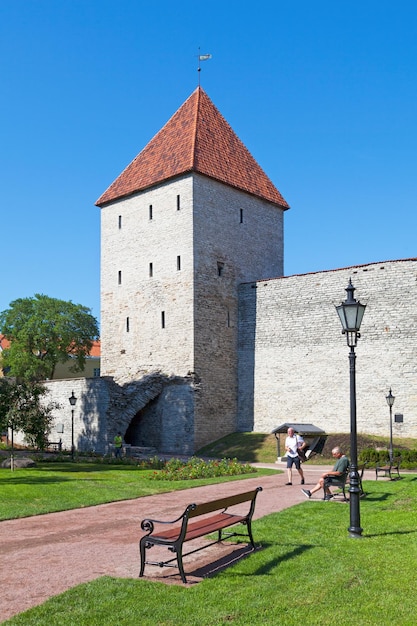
(351, 312)
(12, 453)
(73, 401)
(390, 401)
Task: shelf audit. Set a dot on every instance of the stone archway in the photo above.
(145, 427)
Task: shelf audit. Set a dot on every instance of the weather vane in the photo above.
(201, 57)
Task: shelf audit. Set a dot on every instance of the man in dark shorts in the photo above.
(292, 443)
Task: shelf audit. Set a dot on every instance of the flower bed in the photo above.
(176, 469)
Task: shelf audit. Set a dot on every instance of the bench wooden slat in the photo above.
(201, 527)
(222, 503)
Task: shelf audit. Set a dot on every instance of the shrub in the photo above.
(372, 456)
(408, 458)
(380, 457)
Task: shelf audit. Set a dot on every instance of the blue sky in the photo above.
(323, 94)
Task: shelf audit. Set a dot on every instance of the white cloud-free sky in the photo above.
(323, 94)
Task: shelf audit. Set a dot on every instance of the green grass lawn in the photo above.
(53, 487)
(308, 572)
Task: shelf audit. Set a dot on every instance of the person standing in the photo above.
(118, 444)
(293, 443)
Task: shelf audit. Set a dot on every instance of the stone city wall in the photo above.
(293, 359)
(154, 411)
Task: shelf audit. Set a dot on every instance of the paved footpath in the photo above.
(45, 555)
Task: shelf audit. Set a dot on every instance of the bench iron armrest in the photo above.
(148, 524)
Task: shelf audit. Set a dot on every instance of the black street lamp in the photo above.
(351, 312)
(12, 451)
(73, 401)
(390, 401)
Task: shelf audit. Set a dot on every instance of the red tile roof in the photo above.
(94, 352)
(95, 349)
(197, 138)
(4, 343)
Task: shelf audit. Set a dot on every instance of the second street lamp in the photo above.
(351, 312)
(390, 401)
(73, 401)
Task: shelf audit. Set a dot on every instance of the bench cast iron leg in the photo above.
(180, 565)
(142, 547)
(249, 527)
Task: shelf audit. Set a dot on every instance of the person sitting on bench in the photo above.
(339, 470)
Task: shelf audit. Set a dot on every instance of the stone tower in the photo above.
(185, 223)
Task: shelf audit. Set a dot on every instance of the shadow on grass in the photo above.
(236, 553)
(82, 467)
(37, 480)
(64, 473)
(393, 532)
(376, 498)
(268, 567)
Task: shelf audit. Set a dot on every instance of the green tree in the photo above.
(22, 408)
(45, 331)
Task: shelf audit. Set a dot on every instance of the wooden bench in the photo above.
(388, 468)
(182, 529)
(54, 445)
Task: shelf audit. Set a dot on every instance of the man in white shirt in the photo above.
(292, 443)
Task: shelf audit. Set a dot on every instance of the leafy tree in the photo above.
(21, 408)
(42, 332)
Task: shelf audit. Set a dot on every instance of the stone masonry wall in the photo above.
(104, 408)
(147, 282)
(293, 359)
(237, 237)
(91, 432)
(167, 424)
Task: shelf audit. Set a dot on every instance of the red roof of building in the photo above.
(4, 343)
(197, 138)
(94, 352)
(95, 348)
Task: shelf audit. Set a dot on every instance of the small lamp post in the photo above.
(351, 312)
(12, 452)
(390, 401)
(73, 401)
